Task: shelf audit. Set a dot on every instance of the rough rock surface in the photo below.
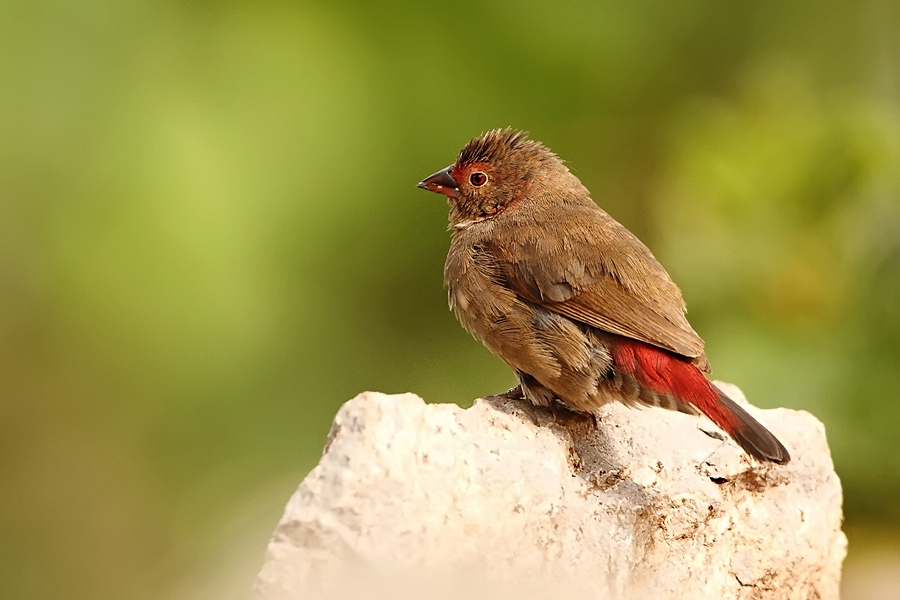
(508, 500)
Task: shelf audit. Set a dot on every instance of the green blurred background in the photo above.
(210, 238)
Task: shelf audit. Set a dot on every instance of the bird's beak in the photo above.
(441, 182)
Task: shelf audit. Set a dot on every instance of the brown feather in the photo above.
(590, 274)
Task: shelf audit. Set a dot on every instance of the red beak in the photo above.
(441, 182)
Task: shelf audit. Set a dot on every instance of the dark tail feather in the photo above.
(756, 440)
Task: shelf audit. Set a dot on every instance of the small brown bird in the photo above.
(572, 301)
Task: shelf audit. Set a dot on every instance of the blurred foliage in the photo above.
(210, 238)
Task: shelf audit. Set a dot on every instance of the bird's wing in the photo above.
(581, 263)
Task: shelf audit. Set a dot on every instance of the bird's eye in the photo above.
(477, 178)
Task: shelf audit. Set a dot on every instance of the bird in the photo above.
(574, 303)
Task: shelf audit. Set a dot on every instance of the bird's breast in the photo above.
(476, 295)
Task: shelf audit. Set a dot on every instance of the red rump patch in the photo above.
(666, 373)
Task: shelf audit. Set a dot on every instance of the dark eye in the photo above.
(477, 178)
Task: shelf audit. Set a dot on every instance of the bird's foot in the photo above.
(517, 394)
(513, 393)
(561, 414)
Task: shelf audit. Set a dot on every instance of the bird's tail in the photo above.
(665, 379)
(750, 435)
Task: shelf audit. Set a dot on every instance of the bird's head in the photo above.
(495, 173)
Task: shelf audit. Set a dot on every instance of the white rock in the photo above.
(507, 500)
